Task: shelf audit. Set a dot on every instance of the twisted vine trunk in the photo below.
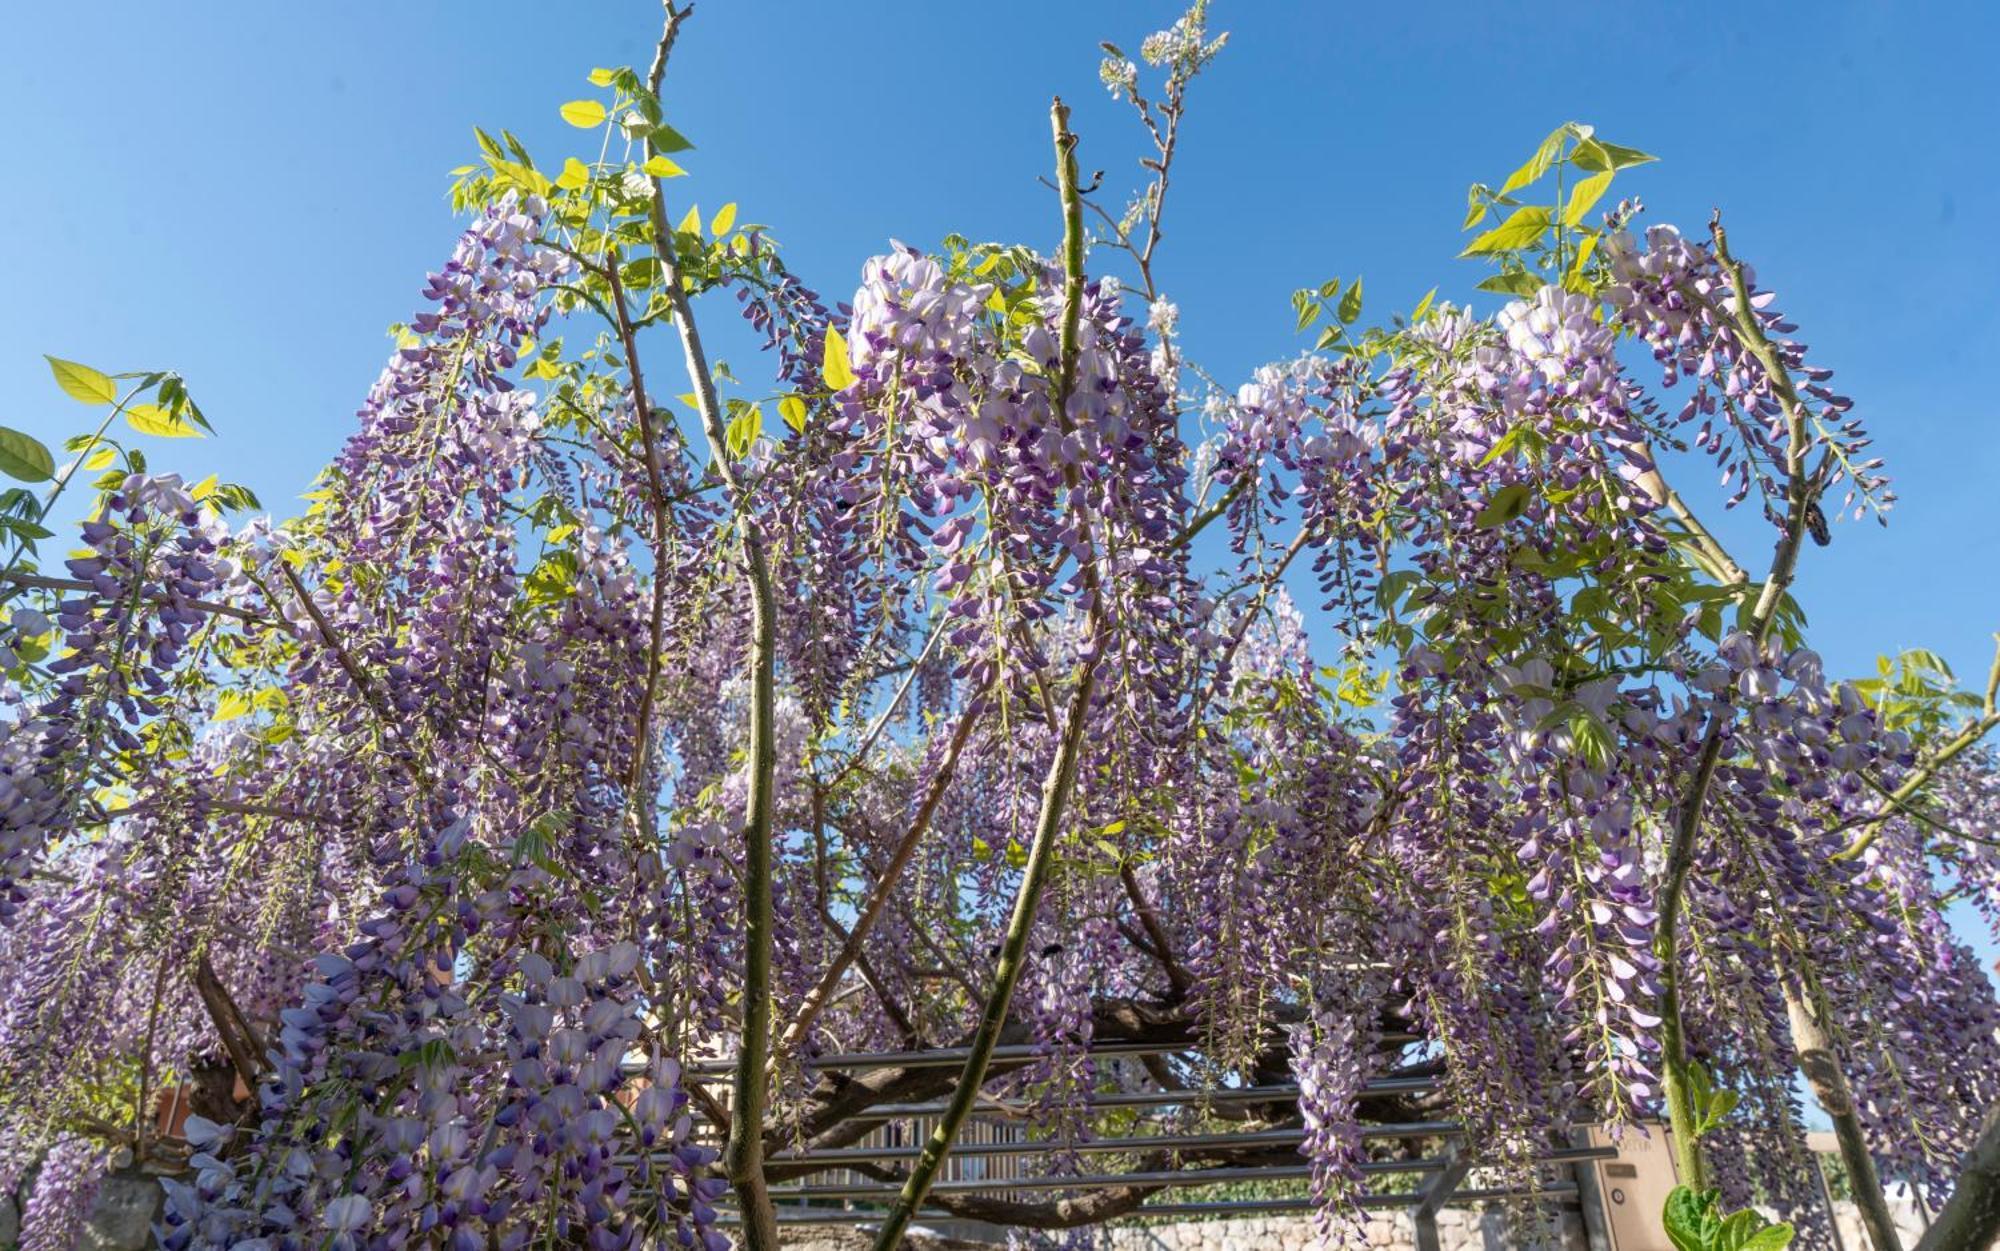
(1819, 1060)
(1971, 1221)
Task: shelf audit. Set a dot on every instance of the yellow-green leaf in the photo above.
(1583, 254)
(203, 489)
(575, 174)
(725, 217)
(583, 114)
(793, 410)
(1596, 154)
(1538, 164)
(691, 224)
(602, 77)
(81, 382)
(835, 367)
(1522, 227)
(1350, 304)
(154, 420)
(532, 180)
(231, 705)
(1586, 194)
(745, 424)
(661, 167)
(100, 459)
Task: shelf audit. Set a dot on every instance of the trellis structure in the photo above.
(852, 1169)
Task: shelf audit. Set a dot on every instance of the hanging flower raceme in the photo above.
(151, 558)
(1683, 300)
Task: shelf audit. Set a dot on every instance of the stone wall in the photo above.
(128, 1204)
(1458, 1230)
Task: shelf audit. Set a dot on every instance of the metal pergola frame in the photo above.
(1445, 1172)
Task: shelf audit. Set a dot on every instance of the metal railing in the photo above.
(1001, 1154)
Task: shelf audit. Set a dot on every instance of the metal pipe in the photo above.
(1141, 1142)
(1220, 1207)
(1084, 1181)
(1157, 1098)
(949, 1057)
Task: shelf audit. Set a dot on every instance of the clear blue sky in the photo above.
(250, 192)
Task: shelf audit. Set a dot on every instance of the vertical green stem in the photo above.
(1799, 491)
(1060, 782)
(743, 1155)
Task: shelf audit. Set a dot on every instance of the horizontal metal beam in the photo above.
(1135, 1143)
(952, 1057)
(1222, 1207)
(1087, 1181)
(1154, 1098)
(1443, 1190)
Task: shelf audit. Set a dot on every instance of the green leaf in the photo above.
(643, 273)
(1507, 503)
(1520, 282)
(81, 382)
(1595, 154)
(1522, 227)
(1350, 304)
(1390, 590)
(1584, 196)
(1476, 206)
(554, 578)
(1923, 659)
(1690, 1219)
(793, 410)
(584, 114)
(724, 218)
(1307, 308)
(24, 458)
(519, 175)
(1584, 251)
(1538, 164)
(1593, 744)
(1770, 1238)
(745, 424)
(667, 139)
(835, 367)
(159, 422)
(1507, 443)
